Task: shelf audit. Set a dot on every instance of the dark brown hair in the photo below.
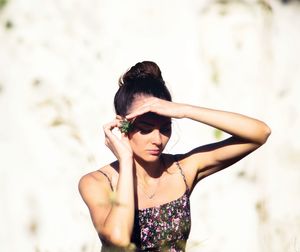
(144, 78)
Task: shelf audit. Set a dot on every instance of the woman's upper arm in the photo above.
(96, 192)
(216, 156)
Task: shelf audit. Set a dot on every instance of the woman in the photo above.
(151, 190)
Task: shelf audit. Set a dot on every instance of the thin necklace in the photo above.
(150, 196)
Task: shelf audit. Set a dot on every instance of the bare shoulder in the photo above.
(186, 163)
(95, 185)
(95, 190)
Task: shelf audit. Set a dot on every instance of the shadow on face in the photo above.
(146, 123)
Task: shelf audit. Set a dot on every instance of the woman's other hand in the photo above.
(118, 145)
(157, 106)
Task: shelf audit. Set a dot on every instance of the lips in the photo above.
(154, 152)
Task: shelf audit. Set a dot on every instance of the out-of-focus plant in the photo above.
(8, 25)
(218, 134)
(3, 3)
(215, 72)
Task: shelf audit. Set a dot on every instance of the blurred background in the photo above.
(59, 66)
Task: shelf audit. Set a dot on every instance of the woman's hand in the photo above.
(118, 145)
(160, 107)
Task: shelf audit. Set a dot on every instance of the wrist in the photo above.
(184, 110)
(125, 162)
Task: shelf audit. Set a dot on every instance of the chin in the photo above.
(148, 158)
(153, 159)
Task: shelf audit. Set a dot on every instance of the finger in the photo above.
(108, 132)
(139, 112)
(119, 120)
(124, 136)
(107, 143)
(110, 126)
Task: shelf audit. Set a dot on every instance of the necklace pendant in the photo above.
(144, 191)
(151, 196)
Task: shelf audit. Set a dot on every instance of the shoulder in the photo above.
(197, 158)
(175, 160)
(96, 183)
(185, 163)
(98, 175)
(93, 177)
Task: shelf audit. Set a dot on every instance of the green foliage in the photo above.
(3, 3)
(218, 134)
(8, 25)
(126, 126)
(215, 73)
(265, 5)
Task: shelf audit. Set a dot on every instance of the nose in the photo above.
(156, 137)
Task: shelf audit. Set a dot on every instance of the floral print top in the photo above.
(163, 228)
(166, 227)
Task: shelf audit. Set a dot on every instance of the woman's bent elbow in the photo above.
(266, 132)
(115, 238)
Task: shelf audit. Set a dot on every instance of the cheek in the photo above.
(166, 138)
(135, 140)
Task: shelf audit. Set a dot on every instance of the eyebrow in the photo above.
(152, 125)
(146, 123)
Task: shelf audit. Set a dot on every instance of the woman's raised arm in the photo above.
(247, 134)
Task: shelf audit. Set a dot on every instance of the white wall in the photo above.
(59, 65)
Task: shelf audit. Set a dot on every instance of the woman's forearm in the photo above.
(118, 225)
(235, 124)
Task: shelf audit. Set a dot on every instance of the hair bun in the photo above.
(143, 79)
(140, 71)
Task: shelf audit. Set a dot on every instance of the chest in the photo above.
(168, 189)
(165, 225)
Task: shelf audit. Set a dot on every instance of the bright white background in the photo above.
(59, 66)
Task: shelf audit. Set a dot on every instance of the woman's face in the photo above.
(150, 134)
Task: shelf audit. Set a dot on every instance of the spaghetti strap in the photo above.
(109, 180)
(182, 173)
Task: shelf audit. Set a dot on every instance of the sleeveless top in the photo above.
(162, 228)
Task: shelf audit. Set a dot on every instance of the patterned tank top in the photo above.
(165, 227)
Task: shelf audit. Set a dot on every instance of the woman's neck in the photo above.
(149, 170)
